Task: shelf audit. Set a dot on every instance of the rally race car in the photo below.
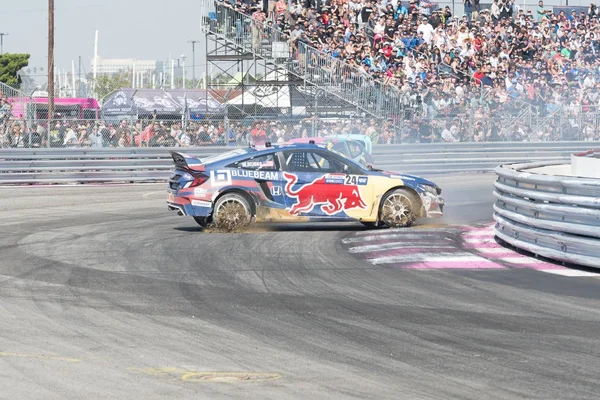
(294, 183)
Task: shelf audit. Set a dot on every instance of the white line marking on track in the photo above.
(480, 233)
(392, 246)
(480, 240)
(152, 193)
(521, 260)
(408, 231)
(493, 250)
(437, 257)
(392, 236)
(573, 273)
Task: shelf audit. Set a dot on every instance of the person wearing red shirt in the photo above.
(147, 134)
(259, 135)
(478, 75)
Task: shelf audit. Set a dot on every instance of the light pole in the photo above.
(2, 34)
(183, 57)
(193, 42)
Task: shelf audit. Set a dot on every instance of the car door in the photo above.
(265, 171)
(321, 184)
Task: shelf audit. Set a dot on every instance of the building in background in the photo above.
(117, 65)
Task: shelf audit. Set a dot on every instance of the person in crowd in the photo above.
(71, 138)
(96, 137)
(17, 138)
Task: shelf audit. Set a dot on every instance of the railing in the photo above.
(337, 77)
(30, 166)
(549, 215)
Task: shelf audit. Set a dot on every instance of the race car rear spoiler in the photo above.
(185, 161)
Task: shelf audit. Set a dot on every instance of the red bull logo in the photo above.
(331, 197)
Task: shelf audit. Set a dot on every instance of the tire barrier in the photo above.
(554, 216)
(147, 164)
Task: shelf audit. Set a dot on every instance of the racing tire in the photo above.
(202, 221)
(232, 211)
(399, 208)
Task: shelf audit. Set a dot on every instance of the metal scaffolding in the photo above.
(261, 74)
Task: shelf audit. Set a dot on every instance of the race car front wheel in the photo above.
(232, 211)
(399, 208)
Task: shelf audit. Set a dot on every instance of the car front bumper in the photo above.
(433, 205)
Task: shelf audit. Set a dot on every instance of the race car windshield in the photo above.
(223, 156)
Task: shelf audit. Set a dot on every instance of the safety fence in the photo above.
(553, 216)
(147, 164)
(236, 130)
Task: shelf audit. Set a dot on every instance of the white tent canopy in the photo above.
(268, 96)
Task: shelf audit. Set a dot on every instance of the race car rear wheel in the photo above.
(232, 211)
(399, 208)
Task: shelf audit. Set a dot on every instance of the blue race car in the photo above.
(296, 182)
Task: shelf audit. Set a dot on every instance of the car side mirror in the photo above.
(345, 169)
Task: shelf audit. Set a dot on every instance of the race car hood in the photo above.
(409, 178)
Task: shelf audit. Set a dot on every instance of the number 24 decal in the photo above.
(351, 180)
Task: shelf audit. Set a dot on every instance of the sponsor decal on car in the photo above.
(220, 177)
(201, 203)
(276, 190)
(335, 179)
(352, 180)
(264, 175)
(331, 198)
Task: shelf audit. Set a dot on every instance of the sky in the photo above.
(141, 29)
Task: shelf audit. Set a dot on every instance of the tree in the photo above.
(10, 65)
(106, 84)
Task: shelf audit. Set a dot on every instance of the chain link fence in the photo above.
(473, 124)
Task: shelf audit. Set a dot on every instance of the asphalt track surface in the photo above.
(104, 295)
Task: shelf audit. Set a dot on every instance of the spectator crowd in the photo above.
(149, 133)
(494, 61)
(460, 77)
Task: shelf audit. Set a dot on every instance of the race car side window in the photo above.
(340, 148)
(309, 161)
(343, 161)
(356, 148)
(267, 162)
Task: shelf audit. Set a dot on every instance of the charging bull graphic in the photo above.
(332, 197)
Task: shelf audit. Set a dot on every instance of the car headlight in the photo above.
(434, 190)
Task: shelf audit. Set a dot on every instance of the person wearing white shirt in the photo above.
(494, 60)
(96, 137)
(427, 30)
(70, 138)
(495, 11)
(379, 27)
(447, 136)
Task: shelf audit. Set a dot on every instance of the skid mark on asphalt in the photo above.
(38, 356)
(465, 247)
(208, 376)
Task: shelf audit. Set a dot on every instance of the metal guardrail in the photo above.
(139, 164)
(29, 166)
(552, 216)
